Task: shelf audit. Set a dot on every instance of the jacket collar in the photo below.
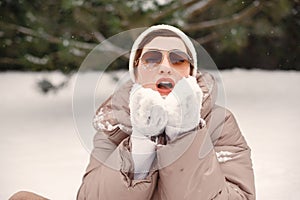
(118, 103)
(209, 88)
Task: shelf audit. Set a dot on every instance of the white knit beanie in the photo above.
(181, 34)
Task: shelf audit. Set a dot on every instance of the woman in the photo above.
(161, 135)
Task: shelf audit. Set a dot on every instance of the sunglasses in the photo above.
(176, 57)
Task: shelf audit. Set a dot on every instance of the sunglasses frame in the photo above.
(189, 59)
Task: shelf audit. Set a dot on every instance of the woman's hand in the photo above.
(148, 118)
(147, 111)
(183, 106)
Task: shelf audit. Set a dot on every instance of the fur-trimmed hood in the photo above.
(181, 34)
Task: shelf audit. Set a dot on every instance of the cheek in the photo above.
(145, 78)
(184, 72)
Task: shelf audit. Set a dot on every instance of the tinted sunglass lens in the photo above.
(152, 57)
(178, 57)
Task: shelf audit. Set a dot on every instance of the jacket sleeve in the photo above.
(233, 155)
(213, 163)
(108, 173)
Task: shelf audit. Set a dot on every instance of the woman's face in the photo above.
(162, 64)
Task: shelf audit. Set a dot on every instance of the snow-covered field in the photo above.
(41, 151)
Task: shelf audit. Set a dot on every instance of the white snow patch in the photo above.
(223, 153)
(41, 152)
(223, 156)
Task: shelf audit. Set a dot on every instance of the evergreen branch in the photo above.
(73, 43)
(10, 61)
(198, 8)
(110, 46)
(246, 13)
(47, 37)
(171, 9)
(208, 38)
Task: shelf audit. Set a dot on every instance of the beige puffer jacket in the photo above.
(213, 162)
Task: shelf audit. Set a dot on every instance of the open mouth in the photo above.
(165, 85)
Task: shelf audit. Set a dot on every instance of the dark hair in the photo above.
(150, 36)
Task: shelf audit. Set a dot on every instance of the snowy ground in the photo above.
(41, 151)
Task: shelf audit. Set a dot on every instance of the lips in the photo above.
(165, 85)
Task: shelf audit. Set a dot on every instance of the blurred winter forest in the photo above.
(45, 140)
(58, 34)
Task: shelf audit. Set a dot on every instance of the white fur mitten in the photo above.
(183, 106)
(148, 118)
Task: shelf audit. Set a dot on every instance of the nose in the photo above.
(165, 67)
